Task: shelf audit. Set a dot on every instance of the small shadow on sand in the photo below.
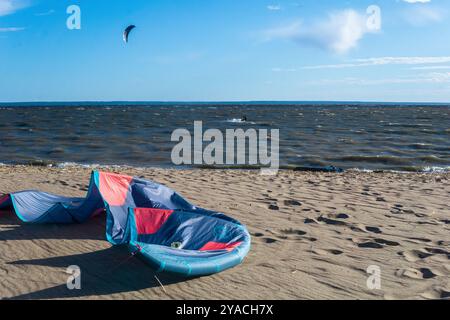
(93, 229)
(103, 272)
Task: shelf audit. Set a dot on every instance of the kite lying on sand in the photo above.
(156, 223)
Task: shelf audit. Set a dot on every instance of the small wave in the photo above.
(405, 170)
(436, 169)
(361, 170)
(64, 165)
(420, 145)
(375, 159)
(426, 169)
(94, 166)
(433, 159)
(410, 125)
(68, 165)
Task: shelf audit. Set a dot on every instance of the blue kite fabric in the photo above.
(155, 222)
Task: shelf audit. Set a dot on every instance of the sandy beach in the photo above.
(313, 237)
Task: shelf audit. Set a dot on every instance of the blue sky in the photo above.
(225, 50)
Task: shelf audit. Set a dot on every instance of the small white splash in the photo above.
(76, 165)
(436, 169)
(235, 120)
(360, 170)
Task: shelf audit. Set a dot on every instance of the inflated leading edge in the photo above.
(156, 223)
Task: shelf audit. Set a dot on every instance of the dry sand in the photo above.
(313, 237)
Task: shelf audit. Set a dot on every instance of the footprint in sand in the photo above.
(436, 293)
(387, 242)
(293, 232)
(310, 220)
(267, 265)
(374, 243)
(273, 207)
(331, 221)
(323, 252)
(438, 251)
(338, 216)
(420, 240)
(414, 255)
(267, 240)
(292, 203)
(374, 229)
(258, 234)
(396, 211)
(337, 220)
(363, 228)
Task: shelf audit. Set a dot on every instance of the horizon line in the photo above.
(43, 102)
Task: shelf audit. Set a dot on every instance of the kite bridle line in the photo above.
(132, 255)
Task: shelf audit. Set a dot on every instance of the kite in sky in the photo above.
(127, 31)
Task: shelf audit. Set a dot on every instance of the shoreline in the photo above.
(313, 237)
(74, 165)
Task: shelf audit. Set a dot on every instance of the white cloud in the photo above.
(45, 13)
(417, 1)
(284, 69)
(439, 77)
(10, 6)
(11, 29)
(431, 68)
(430, 78)
(339, 32)
(383, 61)
(274, 7)
(420, 15)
